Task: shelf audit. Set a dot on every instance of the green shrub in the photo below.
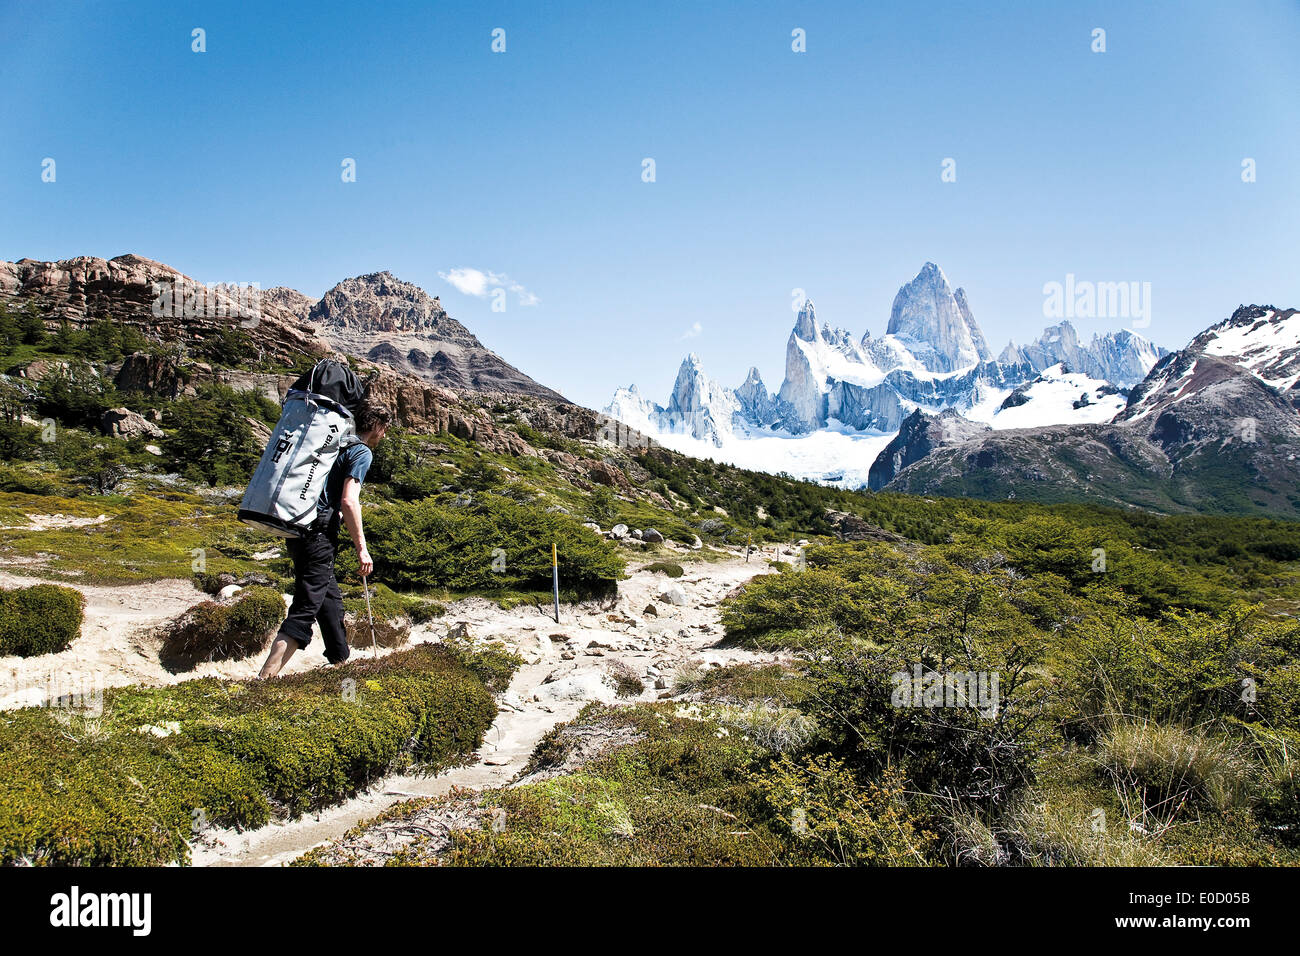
(1187, 667)
(1279, 807)
(494, 664)
(676, 793)
(106, 791)
(743, 683)
(209, 436)
(670, 568)
(42, 619)
(76, 395)
(29, 482)
(212, 631)
(429, 545)
(831, 817)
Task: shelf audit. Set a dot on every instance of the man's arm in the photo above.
(351, 509)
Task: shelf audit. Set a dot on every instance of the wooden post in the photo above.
(555, 580)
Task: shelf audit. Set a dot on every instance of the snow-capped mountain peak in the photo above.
(844, 394)
(805, 326)
(935, 324)
(1122, 358)
(1260, 340)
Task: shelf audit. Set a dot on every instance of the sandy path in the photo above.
(118, 644)
(566, 666)
(563, 672)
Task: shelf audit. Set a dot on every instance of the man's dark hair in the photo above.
(372, 414)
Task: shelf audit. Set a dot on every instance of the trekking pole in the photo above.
(555, 580)
(373, 646)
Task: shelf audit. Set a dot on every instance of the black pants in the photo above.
(316, 595)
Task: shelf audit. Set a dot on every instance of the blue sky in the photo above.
(775, 170)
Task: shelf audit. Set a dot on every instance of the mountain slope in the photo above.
(398, 324)
(1213, 428)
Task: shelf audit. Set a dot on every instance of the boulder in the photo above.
(618, 531)
(610, 475)
(229, 591)
(42, 368)
(651, 535)
(124, 423)
(152, 374)
(674, 594)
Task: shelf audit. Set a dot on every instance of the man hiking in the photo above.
(316, 595)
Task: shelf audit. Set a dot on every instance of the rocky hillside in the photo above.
(392, 322)
(1214, 427)
(163, 303)
(189, 338)
(398, 324)
(919, 436)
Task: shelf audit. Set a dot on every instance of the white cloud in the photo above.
(692, 332)
(480, 284)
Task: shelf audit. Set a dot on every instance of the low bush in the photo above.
(109, 790)
(626, 680)
(493, 544)
(1162, 767)
(832, 817)
(670, 568)
(212, 631)
(677, 794)
(1186, 667)
(42, 619)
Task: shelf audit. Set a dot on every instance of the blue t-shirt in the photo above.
(352, 462)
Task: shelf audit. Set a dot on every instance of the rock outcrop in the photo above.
(398, 324)
(124, 423)
(919, 436)
(161, 302)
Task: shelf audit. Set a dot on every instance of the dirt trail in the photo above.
(118, 645)
(567, 666)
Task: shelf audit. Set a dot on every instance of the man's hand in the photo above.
(367, 566)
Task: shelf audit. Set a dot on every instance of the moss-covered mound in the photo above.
(212, 631)
(131, 786)
(670, 568)
(42, 619)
